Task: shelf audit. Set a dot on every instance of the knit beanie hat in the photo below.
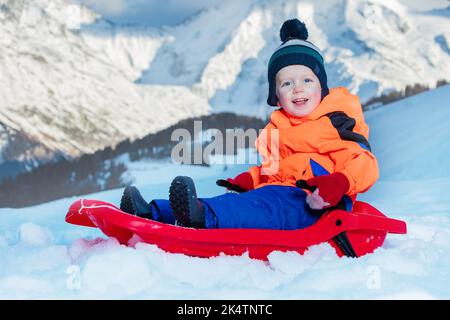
(295, 50)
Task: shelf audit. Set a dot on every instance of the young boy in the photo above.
(322, 139)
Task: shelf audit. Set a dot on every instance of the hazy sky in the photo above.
(169, 12)
(149, 12)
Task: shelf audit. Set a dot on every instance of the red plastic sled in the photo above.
(352, 234)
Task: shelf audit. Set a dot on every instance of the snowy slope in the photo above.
(43, 257)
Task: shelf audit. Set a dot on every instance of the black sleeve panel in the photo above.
(345, 125)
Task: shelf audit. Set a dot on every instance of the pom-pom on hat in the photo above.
(295, 49)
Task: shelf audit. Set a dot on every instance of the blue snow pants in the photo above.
(268, 207)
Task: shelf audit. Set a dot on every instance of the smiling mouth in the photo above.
(300, 100)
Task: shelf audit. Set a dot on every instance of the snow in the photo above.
(42, 257)
(425, 160)
(33, 234)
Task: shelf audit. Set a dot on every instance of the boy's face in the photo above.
(298, 90)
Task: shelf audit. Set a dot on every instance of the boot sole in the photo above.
(180, 201)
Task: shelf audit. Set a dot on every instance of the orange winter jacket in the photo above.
(333, 138)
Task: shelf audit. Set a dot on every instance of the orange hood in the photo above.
(339, 99)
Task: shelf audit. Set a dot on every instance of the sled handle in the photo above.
(303, 185)
(229, 185)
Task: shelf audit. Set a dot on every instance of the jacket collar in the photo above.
(339, 99)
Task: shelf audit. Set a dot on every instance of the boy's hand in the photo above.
(330, 190)
(241, 183)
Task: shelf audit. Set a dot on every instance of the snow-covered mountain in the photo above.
(370, 46)
(63, 94)
(66, 91)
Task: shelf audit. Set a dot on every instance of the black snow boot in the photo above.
(133, 203)
(187, 209)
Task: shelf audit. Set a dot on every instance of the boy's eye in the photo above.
(308, 80)
(285, 83)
